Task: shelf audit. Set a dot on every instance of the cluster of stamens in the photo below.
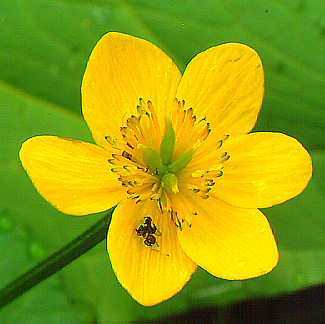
(203, 180)
(151, 163)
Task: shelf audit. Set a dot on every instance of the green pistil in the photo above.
(161, 163)
(168, 143)
(153, 160)
(170, 183)
(181, 162)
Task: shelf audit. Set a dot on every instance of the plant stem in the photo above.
(56, 261)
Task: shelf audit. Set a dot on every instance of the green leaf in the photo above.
(45, 45)
(47, 302)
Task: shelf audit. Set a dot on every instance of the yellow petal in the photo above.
(226, 84)
(122, 69)
(229, 242)
(73, 176)
(151, 274)
(264, 169)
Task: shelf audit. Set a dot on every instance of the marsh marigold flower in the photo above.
(174, 154)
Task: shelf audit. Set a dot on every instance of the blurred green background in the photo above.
(44, 47)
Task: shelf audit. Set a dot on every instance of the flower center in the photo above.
(153, 165)
(162, 164)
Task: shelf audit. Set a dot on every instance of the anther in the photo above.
(127, 155)
(209, 182)
(224, 157)
(111, 141)
(112, 161)
(218, 174)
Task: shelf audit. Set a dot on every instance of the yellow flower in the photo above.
(173, 152)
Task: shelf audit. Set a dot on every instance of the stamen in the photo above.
(175, 219)
(112, 141)
(127, 155)
(154, 120)
(188, 130)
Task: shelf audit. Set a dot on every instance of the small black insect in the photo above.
(147, 231)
